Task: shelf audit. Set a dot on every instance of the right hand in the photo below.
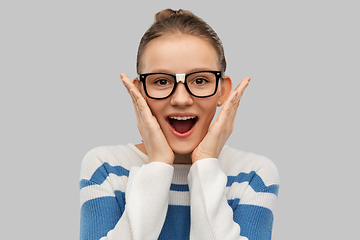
(156, 145)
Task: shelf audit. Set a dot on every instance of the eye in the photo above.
(200, 81)
(162, 82)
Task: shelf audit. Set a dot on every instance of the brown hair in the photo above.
(181, 21)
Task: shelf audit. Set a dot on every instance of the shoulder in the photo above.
(235, 162)
(123, 156)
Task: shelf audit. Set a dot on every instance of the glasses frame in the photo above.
(182, 78)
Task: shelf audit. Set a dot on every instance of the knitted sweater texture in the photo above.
(122, 196)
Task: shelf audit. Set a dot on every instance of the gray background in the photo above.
(61, 96)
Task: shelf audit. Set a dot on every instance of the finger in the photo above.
(229, 110)
(133, 92)
(140, 101)
(232, 118)
(128, 85)
(241, 88)
(143, 110)
(227, 107)
(236, 101)
(131, 88)
(141, 107)
(239, 93)
(126, 80)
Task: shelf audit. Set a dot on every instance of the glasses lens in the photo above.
(202, 84)
(159, 85)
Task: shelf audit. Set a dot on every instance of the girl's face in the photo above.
(179, 54)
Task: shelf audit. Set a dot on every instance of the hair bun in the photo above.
(170, 12)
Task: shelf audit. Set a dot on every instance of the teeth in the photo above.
(182, 118)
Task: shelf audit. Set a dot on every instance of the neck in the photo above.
(182, 158)
(179, 158)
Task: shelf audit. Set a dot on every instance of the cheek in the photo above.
(208, 109)
(156, 107)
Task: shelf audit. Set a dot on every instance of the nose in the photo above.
(181, 97)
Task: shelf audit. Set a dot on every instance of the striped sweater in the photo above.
(122, 196)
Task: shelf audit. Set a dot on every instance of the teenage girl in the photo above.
(181, 182)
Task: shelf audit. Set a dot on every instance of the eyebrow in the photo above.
(191, 70)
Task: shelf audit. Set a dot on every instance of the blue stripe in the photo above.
(177, 223)
(84, 183)
(102, 172)
(255, 222)
(120, 198)
(233, 203)
(255, 182)
(179, 187)
(98, 217)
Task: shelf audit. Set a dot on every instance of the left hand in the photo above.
(221, 129)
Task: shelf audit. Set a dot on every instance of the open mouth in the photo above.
(182, 125)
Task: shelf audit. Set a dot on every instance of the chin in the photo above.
(183, 148)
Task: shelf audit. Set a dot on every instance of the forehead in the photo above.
(179, 53)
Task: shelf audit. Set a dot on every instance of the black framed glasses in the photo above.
(199, 84)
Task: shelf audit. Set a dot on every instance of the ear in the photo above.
(137, 83)
(225, 90)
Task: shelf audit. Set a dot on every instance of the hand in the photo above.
(221, 129)
(156, 145)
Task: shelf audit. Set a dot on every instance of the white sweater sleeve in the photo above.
(147, 196)
(211, 215)
(147, 199)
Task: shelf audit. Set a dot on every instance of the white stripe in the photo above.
(94, 191)
(109, 154)
(247, 195)
(117, 182)
(260, 199)
(245, 162)
(107, 188)
(179, 198)
(236, 190)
